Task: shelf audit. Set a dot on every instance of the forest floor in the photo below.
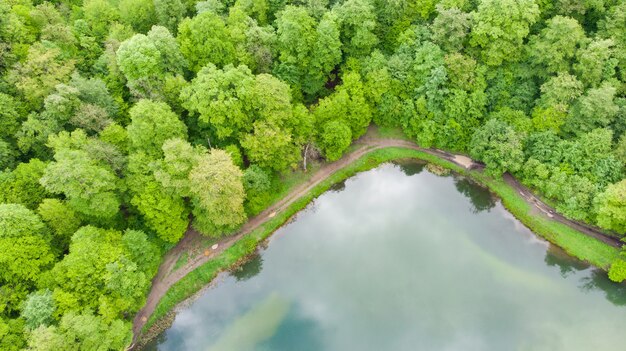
(196, 252)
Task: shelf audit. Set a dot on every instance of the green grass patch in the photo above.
(572, 241)
(282, 185)
(390, 133)
(181, 261)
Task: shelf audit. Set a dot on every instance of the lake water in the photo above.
(398, 258)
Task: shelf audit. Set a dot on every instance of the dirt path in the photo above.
(166, 277)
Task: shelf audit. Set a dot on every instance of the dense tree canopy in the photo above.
(124, 122)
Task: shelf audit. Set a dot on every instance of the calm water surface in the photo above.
(400, 259)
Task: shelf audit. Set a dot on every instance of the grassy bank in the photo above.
(574, 242)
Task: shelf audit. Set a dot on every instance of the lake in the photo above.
(398, 258)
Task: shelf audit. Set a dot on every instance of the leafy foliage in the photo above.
(121, 121)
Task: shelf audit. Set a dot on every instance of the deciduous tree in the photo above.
(499, 146)
(217, 194)
(204, 39)
(152, 123)
(499, 28)
(611, 207)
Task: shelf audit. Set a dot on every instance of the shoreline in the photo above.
(200, 274)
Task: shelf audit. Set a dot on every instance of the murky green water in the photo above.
(401, 259)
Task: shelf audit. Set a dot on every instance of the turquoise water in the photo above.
(400, 259)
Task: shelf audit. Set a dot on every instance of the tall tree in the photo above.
(24, 252)
(43, 69)
(152, 123)
(90, 187)
(611, 207)
(555, 47)
(500, 26)
(139, 14)
(597, 62)
(217, 194)
(308, 51)
(148, 60)
(222, 99)
(21, 185)
(61, 219)
(595, 109)
(450, 28)
(169, 13)
(335, 138)
(499, 146)
(205, 39)
(348, 103)
(358, 26)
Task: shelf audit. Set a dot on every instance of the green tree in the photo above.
(139, 14)
(254, 44)
(358, 26)
(500, 26)
(620, 150)
(142, 251)
(617, 272)
(169, 13)
(560, 91)
(349, 104)
(7, 155)
(21, 185)
(576, 196)
(152, 123)
(173, 171)
(10, 118)
(24, 251)
(99, 14)
(90, 187)
(254, 110)
(61, 219)
(308, 51)
(222, 99)
(43, 69)
(115, 135)
(82, 332)
(164, 213)
(612, 26)
(269, 146)
(255, 179)
(595, 109)
(450, 28)
(12, 334)
(217, 194)
(548, 119)
(335, 138)
(611, 207)
(91, 276)
(38, 309)
(205, 39)
(147, 61)
(499, 146)
(555, 47)
(596, 63)
(163, 208)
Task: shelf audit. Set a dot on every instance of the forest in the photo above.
(123, 120)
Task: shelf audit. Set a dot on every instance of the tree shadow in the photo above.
(480, 198)
(250, 268)
(555, 256)
(410, 168)
(598, 280)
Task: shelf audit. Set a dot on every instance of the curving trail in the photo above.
(166, 277)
